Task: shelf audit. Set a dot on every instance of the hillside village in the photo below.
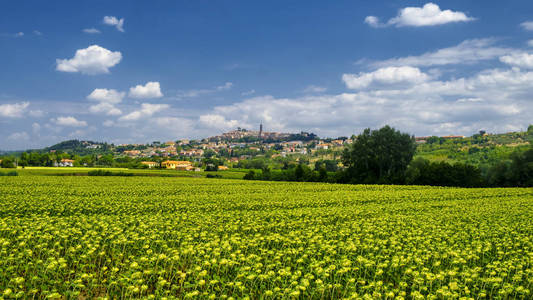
(256, 149)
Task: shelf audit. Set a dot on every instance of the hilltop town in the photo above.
(256, 149)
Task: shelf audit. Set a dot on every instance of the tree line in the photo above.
(385, 156)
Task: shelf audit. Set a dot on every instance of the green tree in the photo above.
(378, 156)
(7, 162)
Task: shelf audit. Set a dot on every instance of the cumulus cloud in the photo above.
(91, 30)
(467, 52)
(218, 122)
(492, 99)
(173, 122)
(91, 60)
(428, 15)
(105, 108)
(114, 21)
(528, 25)
(385, 76)
(149, 90)
(373, 21)
(13, 110)
(521, 60)
(37, 32)
(106, 95)
(146, 110)
(107, 99)
(68, 121)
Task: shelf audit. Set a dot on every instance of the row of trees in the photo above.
(385, 156)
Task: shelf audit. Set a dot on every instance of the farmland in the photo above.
(153, 237)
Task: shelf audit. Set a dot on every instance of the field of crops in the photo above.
(153, 237)
(64, 171)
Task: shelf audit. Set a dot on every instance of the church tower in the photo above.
(261, 130)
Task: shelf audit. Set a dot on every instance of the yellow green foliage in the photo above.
(144, 237)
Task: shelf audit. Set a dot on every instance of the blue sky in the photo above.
(124, 71)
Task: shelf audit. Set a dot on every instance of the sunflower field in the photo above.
(85, 237)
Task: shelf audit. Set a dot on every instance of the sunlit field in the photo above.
(151, 237)
(76, 171)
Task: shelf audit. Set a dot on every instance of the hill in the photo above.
(481, 149)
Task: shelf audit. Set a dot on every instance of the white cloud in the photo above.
(15, 110)
(37, 113)
(492, 100)
(218, 121)
(248, 93)
(68, 121)
(528, 25)
(19, 34)
(114, 21)
(19, 136)
(91, 30)
(105, 108)
(196, 93)
(107, 99)
(106, 95)
(149, 90)
(467, 52)
(37, 32)
(428, 15)
(385, 76)
(172, 122)
(530, 43)
(91, 60)
(226, 86)
(373, 21)
(521, 60)
(147, 110)
(314, 89)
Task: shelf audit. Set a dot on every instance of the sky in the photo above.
(143, 71)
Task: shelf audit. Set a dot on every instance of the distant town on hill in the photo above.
(255, 149)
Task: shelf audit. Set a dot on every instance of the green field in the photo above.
(81, 237)
(81, 171)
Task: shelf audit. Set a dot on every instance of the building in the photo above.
(65, 163)
(132, 153)
(222, 168)
(181, 165)
(149, 164)
(322, 146)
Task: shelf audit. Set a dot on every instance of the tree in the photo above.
(378, 156)
(250, 175)
(424, 172)
(517, 173)
(299, 173)
(7, 162)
